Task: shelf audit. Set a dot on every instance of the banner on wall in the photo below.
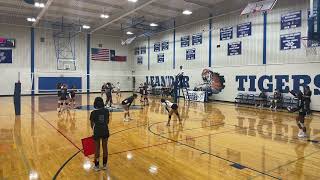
(234, 48)
(291, 20)
(5, 56)
(244, 30)
(164, 45)
(197, 39)
(191, 54)
(139, 60)
(7, 43)
(156, 47)
(143, 50)
(226, 33)
(161, 58)
(185, 41)
(136, 51)
(290, 41)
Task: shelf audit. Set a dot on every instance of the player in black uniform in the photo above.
(72, 94)
(103, 89)
(99, 119)
(108, 91)
(141, 92)
(171, 108)
(126, 106)
(64, 97)
(307, 97)
(59, 95)
(145, 94)
(301, 108)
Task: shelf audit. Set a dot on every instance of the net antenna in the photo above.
(260, 6)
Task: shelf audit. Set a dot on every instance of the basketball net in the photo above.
(310, 46)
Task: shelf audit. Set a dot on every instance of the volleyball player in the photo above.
(126, 106)
(59, 95)
(103, 89)
(145, 94)
(64, 98)
(301, 108)
(108, 91)
(99, 119)
(171, 108)
(72, 94)
(141, 92)
(118, 93)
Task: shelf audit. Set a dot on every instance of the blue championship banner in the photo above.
(244, 30)
(190, 54)
(139, 60)
(156, 47)
(143, 50)
(291, 20)
(234, 48)
(185, 41)
(160, 58)
(164, 45)
(290, 41)
(197, 39)
(226, 33)
(5, 56)
(136, 51)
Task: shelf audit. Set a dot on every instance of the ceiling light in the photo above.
(105, 16)
(132, 0)
(153, 25)
(39, 5)
(129, 33)
(31, 19)
(187, 12)
(86, 27)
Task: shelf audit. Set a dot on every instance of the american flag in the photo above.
(100, 54)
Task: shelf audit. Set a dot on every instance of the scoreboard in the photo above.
(7, 43)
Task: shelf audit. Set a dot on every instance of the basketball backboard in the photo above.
(260, 6)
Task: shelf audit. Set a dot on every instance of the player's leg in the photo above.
(96, 154)
(105, 152)
(169, 116)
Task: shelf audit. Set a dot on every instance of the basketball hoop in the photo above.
(311, 46)
(259, 7)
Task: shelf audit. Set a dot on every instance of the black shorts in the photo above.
(174, 107)
(63, 98)
(302, 114)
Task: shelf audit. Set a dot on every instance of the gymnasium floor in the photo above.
(215, 141)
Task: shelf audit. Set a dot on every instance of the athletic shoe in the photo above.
(125, 120)
(301, 134)
(105, 167)
(130, 118)
(96, 168)
(168, 124)
(305, 135)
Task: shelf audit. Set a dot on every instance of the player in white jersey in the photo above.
(171, 108)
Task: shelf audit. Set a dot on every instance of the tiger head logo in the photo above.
(213, 81)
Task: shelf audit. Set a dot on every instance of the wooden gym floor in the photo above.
(215, 141)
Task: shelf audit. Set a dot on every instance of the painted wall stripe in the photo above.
(32, 60)
(264, 60)
(88, 62)
(148, 53)
(210, 41)
(174, 44)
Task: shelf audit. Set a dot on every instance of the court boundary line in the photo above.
(205, 152)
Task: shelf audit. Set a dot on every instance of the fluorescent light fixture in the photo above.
(39, 5)
(187, 12)
(105, 16)
(153, 25)
(129, 33)
(31, 19)
(86, 27)
(132, 0)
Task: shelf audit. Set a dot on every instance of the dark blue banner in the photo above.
(185, 41)
(6, 56)
(226, 33)
(156, 47)
(291, 20)
(143, 50)
(139, 60)
(244, 30)
(190, 54)
(136, 51)
(164, 45)
(197, 39)
(160, 58)
(290, 41)
(234, 48)
(313, 43)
